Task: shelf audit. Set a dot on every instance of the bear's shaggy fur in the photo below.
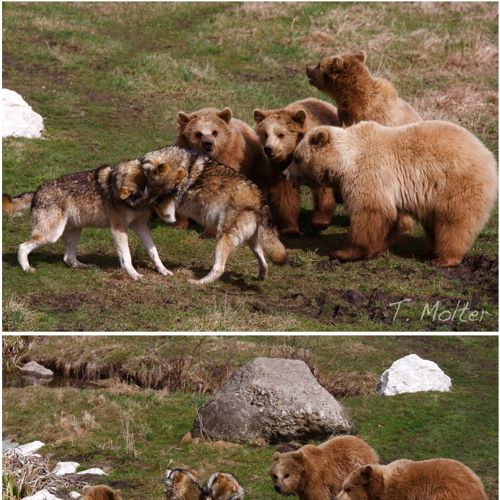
(436, 479)
(435, 171)
(101, 492)
(317, 472)
(279, 131)
(359, 95)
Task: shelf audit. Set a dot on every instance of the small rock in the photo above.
(19, 119)
(63, 468)
(94, 470)
(36, 370)
(42, 495)
(30, 448)
(74, 494)
(413, 374)
(187, 438)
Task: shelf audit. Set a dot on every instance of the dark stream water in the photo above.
(16, 379)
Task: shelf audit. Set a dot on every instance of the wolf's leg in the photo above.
(40, 236)
(256, 248)
(223, 249)
(119, 234)
(71, 238)
(141, 228)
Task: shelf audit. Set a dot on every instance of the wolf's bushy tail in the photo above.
(17, 204)
(270, 241)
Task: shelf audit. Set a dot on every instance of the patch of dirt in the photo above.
(477, 270)
(28, 72)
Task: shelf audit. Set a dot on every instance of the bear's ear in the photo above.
(297, 455)
(182, 118)
(276, 456)
(366, 474)
(226, 114)
(319, 138)
(299, 116)
(361, 56)
(259, 115)
(336, 64)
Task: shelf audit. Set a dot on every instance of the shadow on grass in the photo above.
(238, 280)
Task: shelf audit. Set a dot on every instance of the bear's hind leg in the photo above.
(452, 240)
(324, 207)
(368, 235)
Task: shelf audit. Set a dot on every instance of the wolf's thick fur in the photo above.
(279, 131)
(101, 492)
(436, 479)
(217, 197)
(317, 472)
(104, 197)
(359, 95)
(181, 484)
(223, 486)
(435, 171)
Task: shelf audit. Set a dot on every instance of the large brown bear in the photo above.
(101, 492)
(362, 97)
(279, 131)
(234, 143)
(359, 95)
(435, 171)
(317, 472)
(437, 479)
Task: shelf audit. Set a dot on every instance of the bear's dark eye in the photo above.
(214, 133)
(198, 135)
(265, 135)
(286, 476)
(347, 490)
(275, 477)
(281, 136)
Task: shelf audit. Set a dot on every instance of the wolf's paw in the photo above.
(165, 272)
(136, 276)
(29, 269)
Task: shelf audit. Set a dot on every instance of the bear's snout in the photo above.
(277, 487)
(208, 145)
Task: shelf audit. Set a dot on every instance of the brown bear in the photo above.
(436, 479)
(435, 171)
(279, 131)
(234, 143)
(359, 95)
(362, 97)
(317, 472)
(101, 492)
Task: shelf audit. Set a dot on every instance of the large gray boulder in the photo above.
(269, 400)
(34, 369)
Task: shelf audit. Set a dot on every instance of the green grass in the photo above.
(89, 425)
(109, 78)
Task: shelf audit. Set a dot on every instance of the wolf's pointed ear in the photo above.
(299, 116)
(226, 114)
(162, 167)
(361, 56)
(259, 115)
(276, 455)
(319, 137)
(366, 474)
(125, 192)
(182, 118)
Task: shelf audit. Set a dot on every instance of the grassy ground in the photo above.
(109, 79)
(134, 433)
